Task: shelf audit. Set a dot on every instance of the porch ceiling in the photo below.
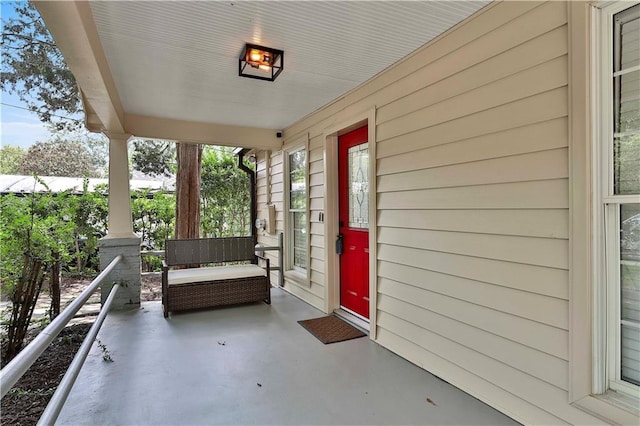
(156, 61)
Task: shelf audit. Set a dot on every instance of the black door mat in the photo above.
(331, 329)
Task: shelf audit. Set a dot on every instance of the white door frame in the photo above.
(331, 208)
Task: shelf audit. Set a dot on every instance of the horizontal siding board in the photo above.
(548, 194)
(541, 78)
(317, 264)
(317, 241)
(276, 168)
(518, 408)
(491, 43)
(277, 187)
(316, 179)
(317, 254)
(542, 107)
(510, 379)
(551, 369)
(316, 204)
(316, 155)
(276, 158)
(553, 253)
(316, 192)
(316, 167)
(276, 178)
(316, 142)
(551, 223)
(545, 338)
(381, 89)
(527, 55)
(317, 279)
(552, 164)
(277, 197)
(534, 279)
(472, 207)
(304, 294)
(536, 137)
(543, 309)
(317, 228)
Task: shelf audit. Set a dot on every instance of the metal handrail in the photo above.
(13, 371)
(50, 414)
(277, 248)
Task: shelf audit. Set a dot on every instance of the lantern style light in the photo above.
(262, 63)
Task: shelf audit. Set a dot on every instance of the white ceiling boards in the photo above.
(179, 59)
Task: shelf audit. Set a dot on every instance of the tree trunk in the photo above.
(188, 190)
(23, 299)
(54, 287)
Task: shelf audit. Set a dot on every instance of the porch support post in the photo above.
(120, 219)
(120, 238)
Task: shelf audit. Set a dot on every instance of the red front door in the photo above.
(353, 167)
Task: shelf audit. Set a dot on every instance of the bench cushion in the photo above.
(193, 275)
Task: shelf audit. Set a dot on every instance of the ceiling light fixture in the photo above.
(263, 63)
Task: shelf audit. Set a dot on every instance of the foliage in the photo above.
(34, 224)
(10, 158)
(58, 157)
(34, 235)
(98, 148)
(226, 199)
(154, 157)
(34, 69)
(88, 212)
(153, 217)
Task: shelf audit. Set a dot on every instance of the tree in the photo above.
(154, 157)
(10, 158)
(58, 157)
(35, 237)
(188, 190)
(225, 195)
(34, 69)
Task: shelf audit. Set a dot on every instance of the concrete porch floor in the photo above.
(254, 364)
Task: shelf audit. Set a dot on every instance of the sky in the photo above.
(17, 126)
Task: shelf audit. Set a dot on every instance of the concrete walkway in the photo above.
(254, 364)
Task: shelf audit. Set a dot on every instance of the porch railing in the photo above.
(15, 369)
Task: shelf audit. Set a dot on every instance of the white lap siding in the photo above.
(472, 208)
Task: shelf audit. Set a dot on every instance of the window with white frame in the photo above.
(617, 198)
(297, 235)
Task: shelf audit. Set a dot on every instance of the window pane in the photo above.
(297, 181)
(627, 88)
(630, 292)
(358, 166)
(298, 199)
(299, 220)
(630, 362)
(299, 239)
(629, 33)
(296, 161)
(626, 165)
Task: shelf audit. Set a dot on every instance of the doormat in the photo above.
(331, 329)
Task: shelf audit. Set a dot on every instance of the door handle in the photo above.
(339, 244)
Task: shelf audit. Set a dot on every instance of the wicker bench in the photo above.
(209, 286)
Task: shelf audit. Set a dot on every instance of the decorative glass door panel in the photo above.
(358, 187)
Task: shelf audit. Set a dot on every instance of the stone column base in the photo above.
(126, 273)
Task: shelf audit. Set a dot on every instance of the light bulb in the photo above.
(255, 56)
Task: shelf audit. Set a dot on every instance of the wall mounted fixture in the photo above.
(262, 63)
